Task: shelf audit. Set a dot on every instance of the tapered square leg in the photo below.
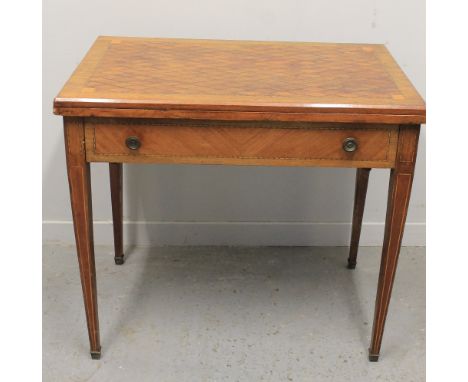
(115, 173)
(80, 195)
(401, 179)
(362, 180)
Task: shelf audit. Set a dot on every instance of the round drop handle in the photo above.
(350, 145)
(133, 143)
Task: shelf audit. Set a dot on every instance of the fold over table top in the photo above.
(240, 80)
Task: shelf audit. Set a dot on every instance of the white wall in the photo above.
(167, 204)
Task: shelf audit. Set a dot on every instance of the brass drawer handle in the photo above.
(350, 145)
(133, 143)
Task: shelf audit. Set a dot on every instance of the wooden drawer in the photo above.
(249, 143)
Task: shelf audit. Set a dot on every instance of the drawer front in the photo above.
(268, 143)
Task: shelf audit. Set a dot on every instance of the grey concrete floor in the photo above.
(233, 314)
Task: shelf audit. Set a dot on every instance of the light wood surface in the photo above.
(253, 80)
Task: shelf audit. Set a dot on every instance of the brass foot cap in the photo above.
(119, 260)
(96, 354)
(373, 357)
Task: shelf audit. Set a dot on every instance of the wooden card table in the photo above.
(144, 100)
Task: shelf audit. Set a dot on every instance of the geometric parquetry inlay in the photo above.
(282, 72)
(241, 76)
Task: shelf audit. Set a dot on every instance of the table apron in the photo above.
(240, 143)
